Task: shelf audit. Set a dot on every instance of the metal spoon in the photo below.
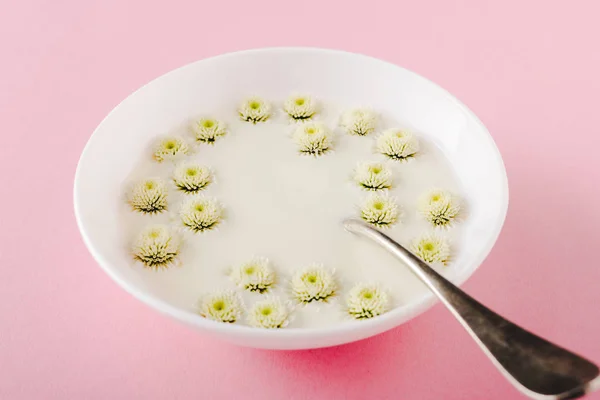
(539, 369)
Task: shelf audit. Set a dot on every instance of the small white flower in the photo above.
(373, 176)
(269, 313)
(313, 283)
(432, 249)
(170, 147)
(191, 177)
(254, 109)
(208, 130)
(439, 207)
(380, 210)
(156, 247)
(255, 275)
(149, 196)
(313, 138)
(359, 121)
(397, 144)
(223, 306)
(300, 107)
(367, 301)
(201, 213)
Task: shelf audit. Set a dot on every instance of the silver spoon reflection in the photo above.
(538, 368)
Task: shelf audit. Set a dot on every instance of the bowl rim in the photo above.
(393, 318)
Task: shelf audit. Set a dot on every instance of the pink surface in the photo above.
(529, 69)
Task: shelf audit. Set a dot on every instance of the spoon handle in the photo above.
(538, 368)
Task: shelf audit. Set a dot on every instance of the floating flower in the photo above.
(223, 306)
(201, 213)
(380, 210)
(255, 275)
(313, 138)
(397, 144)
(432, 249)
(439, 207)
(270, 313)
(359, 121)
(156, 247)
(367, 301)
(373, 176)
(300, 107)
(169, 147)
(254, 110)
(149, 196)
(313, 283)
(191, 177)
(208, 130)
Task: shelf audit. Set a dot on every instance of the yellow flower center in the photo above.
(300, 101)
(208, 123)
(219, 305)
(191, 172)
(266, 311)
(255, 105)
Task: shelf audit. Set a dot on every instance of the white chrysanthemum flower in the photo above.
(432, 249)
(255, 275)
(254, 110)
(359, 121)
(156, 247)
(208, 130)
(149, 196)
(223, 306)
(367, 301)
(201, 213)
(169, 147)
(269, 313)
(380, 210)
(439, 207)
(373, 176)
(397, 144)
(191, 177)
(313, 283)
(300, 107)
(313, 138)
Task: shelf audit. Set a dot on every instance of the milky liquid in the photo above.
(289, 208)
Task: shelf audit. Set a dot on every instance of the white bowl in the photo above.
(174, 97)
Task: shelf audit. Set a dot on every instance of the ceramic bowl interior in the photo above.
(167, 101)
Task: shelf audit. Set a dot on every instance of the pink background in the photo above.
(529, 69)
